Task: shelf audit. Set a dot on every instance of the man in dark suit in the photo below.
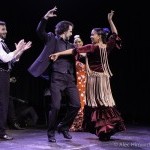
(6, 58)
(61, 74)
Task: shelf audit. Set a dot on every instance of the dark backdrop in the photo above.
(130, 83)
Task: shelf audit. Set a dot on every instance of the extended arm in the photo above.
(114, 40)
(55, 56)
(84, 49)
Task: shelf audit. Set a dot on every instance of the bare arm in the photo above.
(111, 23)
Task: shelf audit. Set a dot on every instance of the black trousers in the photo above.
(62, 82)
(11, 117)
(4, 99)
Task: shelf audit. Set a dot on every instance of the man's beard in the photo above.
(3, 36)
(67, 38)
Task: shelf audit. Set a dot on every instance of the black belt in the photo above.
(65, 72)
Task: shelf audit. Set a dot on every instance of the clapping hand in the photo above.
(22, 45)
(27, 45)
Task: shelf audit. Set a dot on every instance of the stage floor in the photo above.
(135, 137)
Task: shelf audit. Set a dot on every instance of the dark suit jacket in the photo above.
(42, 62)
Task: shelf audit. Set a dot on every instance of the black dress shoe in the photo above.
(52, 139)
(6, 137)
(65, 134)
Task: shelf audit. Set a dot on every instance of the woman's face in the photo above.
(95, 38)
(78, 43)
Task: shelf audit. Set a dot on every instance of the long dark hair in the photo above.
(104, 32)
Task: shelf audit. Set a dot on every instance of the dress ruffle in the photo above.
(103, 120)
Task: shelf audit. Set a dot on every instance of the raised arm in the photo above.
(42, 24)
(111, 23)
(114, 40)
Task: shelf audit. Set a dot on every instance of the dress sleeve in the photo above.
(114, 41)
(84, 49)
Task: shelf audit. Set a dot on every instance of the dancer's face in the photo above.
(68, 33)
(3, 31)
(95, 38)
(78, 43)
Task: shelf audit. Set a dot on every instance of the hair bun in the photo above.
(76, 36)
(106, 30)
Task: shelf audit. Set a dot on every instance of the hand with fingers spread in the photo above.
(54, 57)
(50, 13)
(19, 45)
(26, 45)
(22, 45)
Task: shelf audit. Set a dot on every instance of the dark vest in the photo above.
(64, 64)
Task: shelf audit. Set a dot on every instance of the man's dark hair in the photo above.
(62, 27)
(2, 23)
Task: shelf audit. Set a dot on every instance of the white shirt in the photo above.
(4, 56)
